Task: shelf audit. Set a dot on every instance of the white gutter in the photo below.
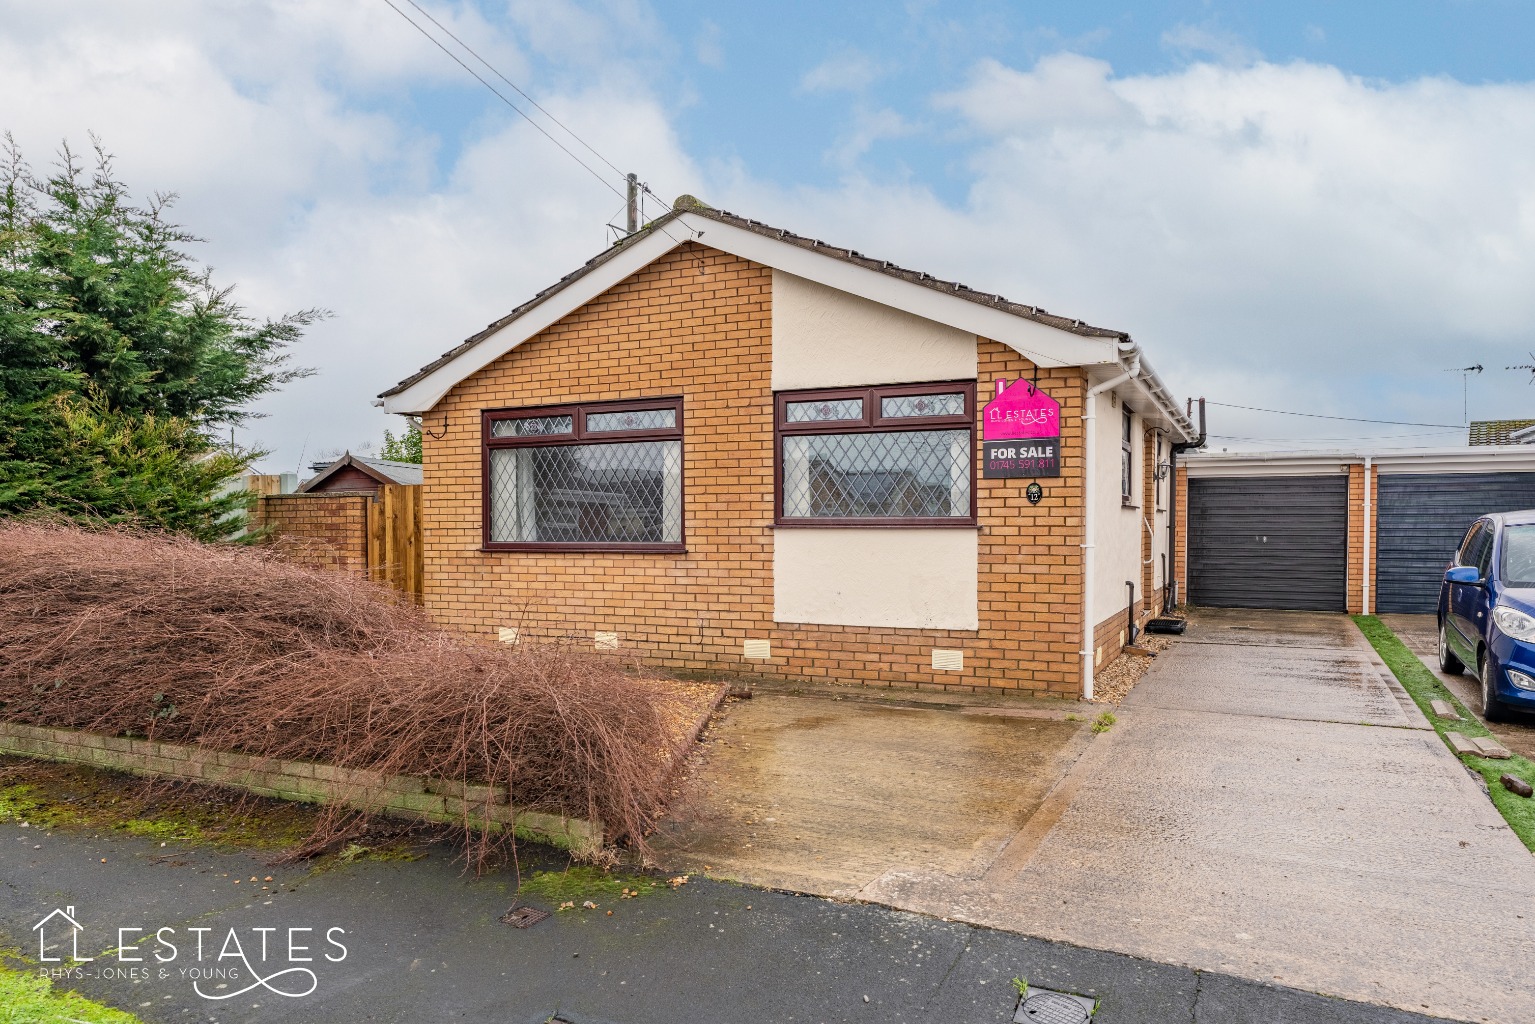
(1365, 603)
(1089, 439)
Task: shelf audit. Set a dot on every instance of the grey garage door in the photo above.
(1269, 542)
(1421, 519)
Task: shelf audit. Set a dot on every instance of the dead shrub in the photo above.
(236, 649)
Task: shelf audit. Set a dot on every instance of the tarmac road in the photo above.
(424, 943)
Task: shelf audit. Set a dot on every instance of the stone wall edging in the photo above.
(408, 797)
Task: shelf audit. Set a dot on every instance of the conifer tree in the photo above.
(121, 363)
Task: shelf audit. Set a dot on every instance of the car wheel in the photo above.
(1447, 660)
(1493, 709)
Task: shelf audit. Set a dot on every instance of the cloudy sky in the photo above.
(1306, 206)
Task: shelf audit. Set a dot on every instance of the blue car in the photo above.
(1487, 612)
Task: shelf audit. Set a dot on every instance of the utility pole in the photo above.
(634, 203)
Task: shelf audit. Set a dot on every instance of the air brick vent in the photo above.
(948, 661)
(757, 650)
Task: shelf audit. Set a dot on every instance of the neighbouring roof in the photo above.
(1497, 431)
(384, 471)
(685, 223)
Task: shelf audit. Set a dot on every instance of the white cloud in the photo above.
(1062, 89)
(312, 197)
(708, 46)
(847, 70)
(1284, 236)
(1193, 41)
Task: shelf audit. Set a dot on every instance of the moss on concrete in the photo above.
(579, 883)
(51, 795)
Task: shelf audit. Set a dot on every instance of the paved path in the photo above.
(1272, 805)
(424, 943)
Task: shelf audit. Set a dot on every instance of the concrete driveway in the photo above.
(1271, 805)
(823, 792)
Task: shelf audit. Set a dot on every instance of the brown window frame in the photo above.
(872, 422)
(579, 435)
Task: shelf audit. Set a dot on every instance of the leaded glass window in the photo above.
(602, 476)
(624, 493)
(638, 419)
(893, 455)
(824, 411)
(902, 406)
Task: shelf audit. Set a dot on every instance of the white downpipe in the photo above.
(1089, 486)
(1364, 605)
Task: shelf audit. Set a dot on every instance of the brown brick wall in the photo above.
(1356, 534)
(328, 531)
(698, 323)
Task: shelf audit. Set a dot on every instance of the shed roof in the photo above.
(385, 471)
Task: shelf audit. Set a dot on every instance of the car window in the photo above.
(1517, 564)
(1471, 548)
(1484, 552)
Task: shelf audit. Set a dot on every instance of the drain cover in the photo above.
(524, 917)
(1046, 1007)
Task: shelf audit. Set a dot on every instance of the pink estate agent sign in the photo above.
(1020, 411)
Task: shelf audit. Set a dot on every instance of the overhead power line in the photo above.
(1345, 419)
(499, 95)
(470, 50)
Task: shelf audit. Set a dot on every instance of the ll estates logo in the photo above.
(219, 966)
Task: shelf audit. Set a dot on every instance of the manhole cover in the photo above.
(1053, 1008)
(523, 917)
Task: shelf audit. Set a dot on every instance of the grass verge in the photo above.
(29, 998)
(1423, 686)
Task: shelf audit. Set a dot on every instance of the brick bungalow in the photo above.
(731, 449)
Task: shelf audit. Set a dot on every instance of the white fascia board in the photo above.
(1035, 341)
(429, 390)
(1514, 458)
(1211, 464)
(1148, 396)
(1500, 458)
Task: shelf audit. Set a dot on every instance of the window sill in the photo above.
(1129, 506)
(558, 548)
(883, 524)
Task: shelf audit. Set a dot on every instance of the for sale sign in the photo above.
(1027, 459)
(1020, 432)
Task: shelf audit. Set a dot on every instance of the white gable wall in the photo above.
(825, 338)
(914, 578)
(909, 578)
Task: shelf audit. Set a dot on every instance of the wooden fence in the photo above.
(394, 538)
(351, 531)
